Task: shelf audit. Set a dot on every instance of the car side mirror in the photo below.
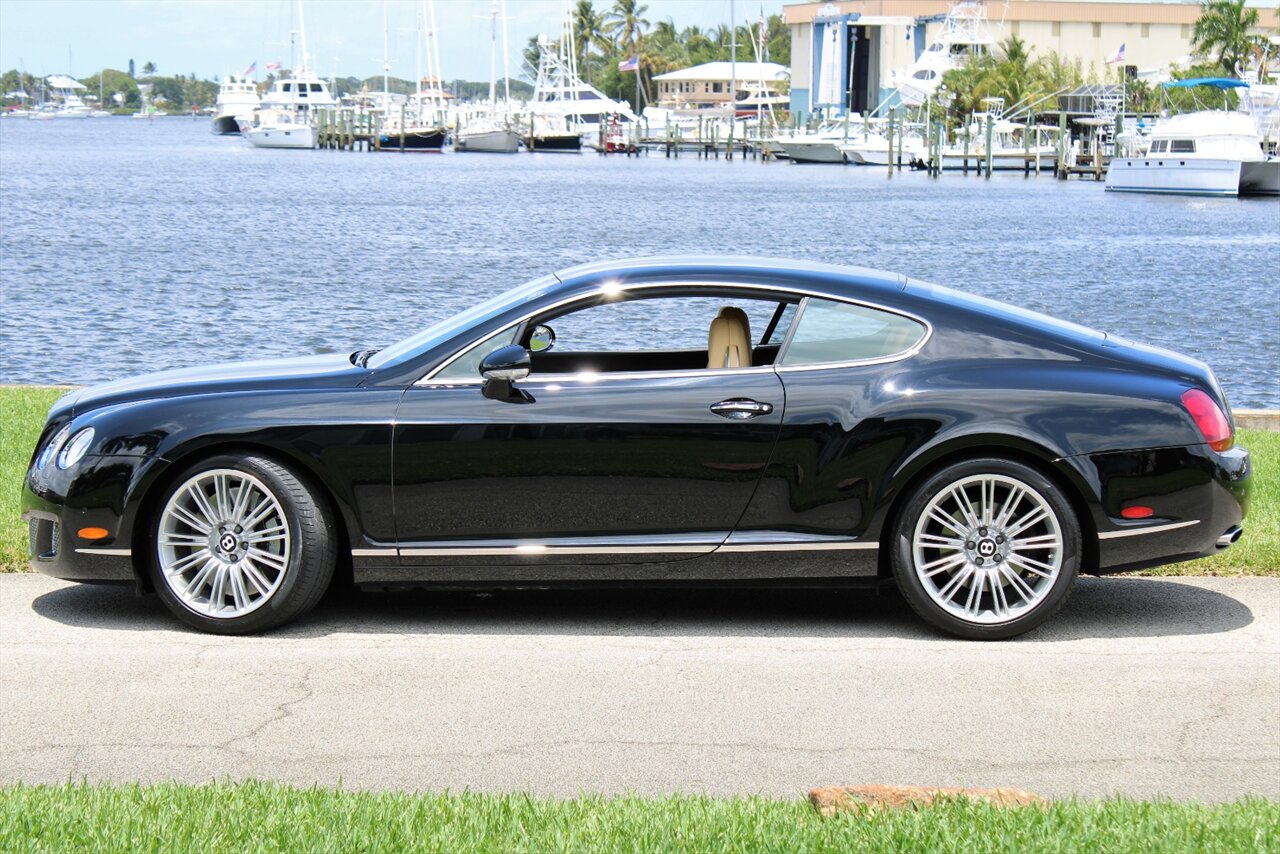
(542, 338)
(501, 369)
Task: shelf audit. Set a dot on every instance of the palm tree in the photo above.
(588, 30)
(627, 22)
(1223, 29)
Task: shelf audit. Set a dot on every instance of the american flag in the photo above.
(632, 64)
(253, 66)
(1118, 56)
(274, 66)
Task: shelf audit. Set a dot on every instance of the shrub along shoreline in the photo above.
(23, 410)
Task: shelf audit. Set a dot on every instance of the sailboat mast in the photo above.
(302, 34)
(506, 70)
(417, 58)
(435, 56)
(493, 55)
(386, 62)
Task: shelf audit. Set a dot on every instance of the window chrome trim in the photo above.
(1150, 529)
(614, 289)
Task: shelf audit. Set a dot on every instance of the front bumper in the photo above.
(1196, 496)
(99, 492)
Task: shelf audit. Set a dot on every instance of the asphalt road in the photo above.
(1141, 686)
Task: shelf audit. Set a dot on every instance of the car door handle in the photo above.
(741, 408)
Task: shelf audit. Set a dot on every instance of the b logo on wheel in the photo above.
(227, 543)
(987, 548)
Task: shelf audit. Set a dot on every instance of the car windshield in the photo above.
(440, 332)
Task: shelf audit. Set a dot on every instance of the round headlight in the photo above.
(47, 452)
(76, 448)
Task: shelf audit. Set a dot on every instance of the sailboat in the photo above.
(487, 133)
(420, 126)
(284, 117)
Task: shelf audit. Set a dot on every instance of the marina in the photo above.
(206, 274)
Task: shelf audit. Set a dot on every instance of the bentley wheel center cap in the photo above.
(987, 547)
(228, 543)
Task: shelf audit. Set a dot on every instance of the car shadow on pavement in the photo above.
(1099, 608)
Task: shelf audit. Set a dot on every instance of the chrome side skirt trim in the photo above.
(542, 549)
(831, 545)
(106, 552)
(1153, 529)
(692, 544)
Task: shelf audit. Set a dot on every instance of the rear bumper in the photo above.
(1196, 496)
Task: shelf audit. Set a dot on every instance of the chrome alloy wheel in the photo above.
(223, 543)
(987, 548)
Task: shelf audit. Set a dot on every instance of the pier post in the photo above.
(1061, 167)
(889, 138)
(402, 128)
(965, 162)
(1026, 147)
(987, 153)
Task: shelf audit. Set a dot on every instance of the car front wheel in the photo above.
(986, 549)
(241, 545)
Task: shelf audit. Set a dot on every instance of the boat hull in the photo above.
(554, 142)
(493, 141)
(1260, 179)
(287, 136)
(224, 125)
(813, 152)
(414, 139)
(1193, 177)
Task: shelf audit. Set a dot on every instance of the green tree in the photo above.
(149, 68)
(1222, 33)
(626, 22)
(588, 31)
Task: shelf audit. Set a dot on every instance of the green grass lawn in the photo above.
(22, 412)
(256, 816)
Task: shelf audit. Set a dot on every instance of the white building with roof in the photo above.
(711, 84)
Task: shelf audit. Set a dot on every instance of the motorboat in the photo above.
(821, 145)
(1208, 152)
(1205, 153)
(285, 117)
(70, 105)
(237, 99)
(964, 34)
(279, 128)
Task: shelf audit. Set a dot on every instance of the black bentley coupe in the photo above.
(666, 421)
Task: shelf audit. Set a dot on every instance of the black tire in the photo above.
(311, 554)
(927, 596)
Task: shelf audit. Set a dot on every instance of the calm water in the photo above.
(132, 246)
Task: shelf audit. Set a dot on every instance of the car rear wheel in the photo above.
(986, 549)
(241, 545)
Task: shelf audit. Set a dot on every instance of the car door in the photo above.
(600, 467)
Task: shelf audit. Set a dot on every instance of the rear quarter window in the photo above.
(829, 331)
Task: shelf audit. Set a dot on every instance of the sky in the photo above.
(211, 38)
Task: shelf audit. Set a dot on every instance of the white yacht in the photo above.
(964, 34)
(237, 99)
(572, 108)
(823, 145)
(70, 105)
(489, 131)
(284, 115)
(1207, 153)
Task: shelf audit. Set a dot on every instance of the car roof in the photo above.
(730, 269)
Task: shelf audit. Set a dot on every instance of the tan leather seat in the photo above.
(729, 340)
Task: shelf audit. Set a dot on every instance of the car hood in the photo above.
(333, 369)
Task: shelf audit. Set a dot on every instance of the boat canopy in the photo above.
(1216, 82)
(60, 81)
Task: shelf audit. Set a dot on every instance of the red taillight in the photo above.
(1209, 419)
(1136, 511)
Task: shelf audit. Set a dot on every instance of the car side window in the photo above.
(467, 366)
(829, 331)
(655, 323)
